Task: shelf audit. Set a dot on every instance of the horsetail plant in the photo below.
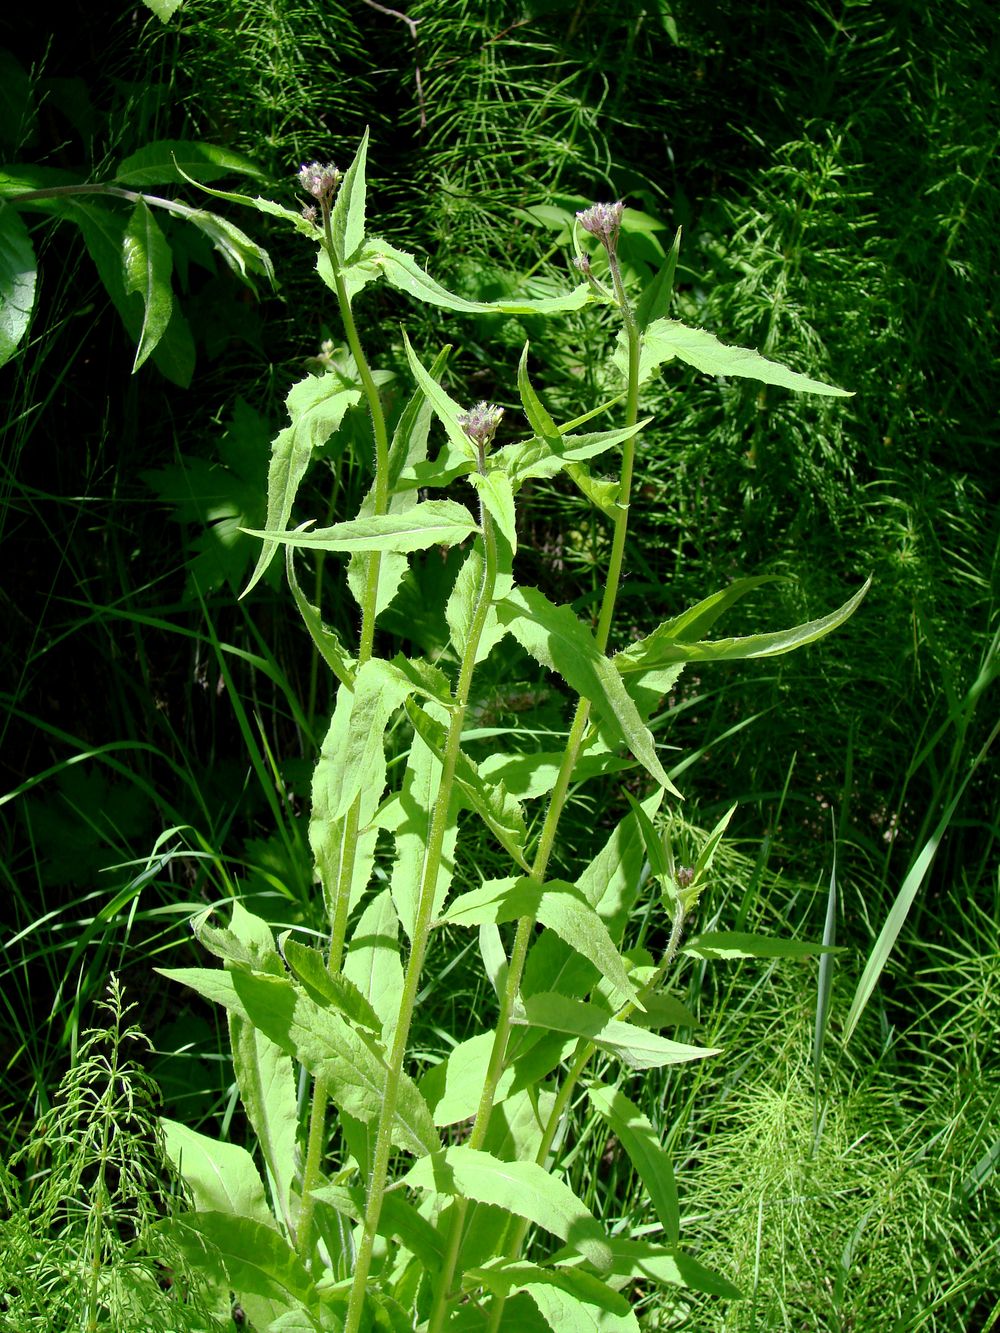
(410, 1199)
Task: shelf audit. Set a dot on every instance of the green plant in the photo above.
(564, 995)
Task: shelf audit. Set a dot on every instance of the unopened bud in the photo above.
(320, 180)
(480, 423)
(603, 221)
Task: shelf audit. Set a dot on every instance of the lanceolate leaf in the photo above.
(325, 987)
(148, 262)
(453, 1087)
(244, 256)
(651, 1161)
(433, 523)
(172, 161)
(737, 944)
(662, 647)
(558, 905)
(268, 1092)
(327, 640)
(554, 637)
(348, 221)
(667, 1266)
(568, 1298)
(495, 492)
(522, 1188)
(638, 1048)
(373, 963)
(17, 281)
(666, 339)
(379, 689)
(655, 300)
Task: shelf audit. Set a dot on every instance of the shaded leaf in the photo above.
(18, 274)
(637, 1047)
(148, 262)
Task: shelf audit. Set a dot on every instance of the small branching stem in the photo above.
(557, 801)
(421, 929)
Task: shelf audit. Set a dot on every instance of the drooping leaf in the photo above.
(522, 1188)
(662, 647)
(431, 523)
(667, 1266)
(244, 256)
(557, 905)
(453, 1087)
(267, 1087)
(569, 1299)
(157, 163)
(147, 262)
(18, 272)
(348, 220)
(653, 1167)
(327, 988)
(739, 944)
(327, 640)
(637, 1047)
(666, 339)
(557, 639)
(222, 1177)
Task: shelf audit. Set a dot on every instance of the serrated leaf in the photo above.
(243, 255)
(327, 640)
(651, 1161)
(550, 456)
(739, 944)
(171, 161)
(403, 272)
(267, 1087)
(497, 496)
(398, 1220)
(501, 813)
(662, 647)
(147, 263)
(18, 273)
(569, 1299)
(557, 639)
(461, 606)
(666, 1266)
(560, 907)
(667, 339)
(163, 9)
(222, 1177)
(379, 689)
(430, 523)
(348, 220)
(325, 987)
(522, 1188)
(637, 1047)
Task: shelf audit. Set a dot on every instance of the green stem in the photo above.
(312, 1172)
(557, 801)
(421, 931)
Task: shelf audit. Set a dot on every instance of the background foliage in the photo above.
(834, 171)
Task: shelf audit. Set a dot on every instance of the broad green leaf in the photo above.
(258, 1261)
(268, 206)
(431, 523)
(602, 494)
(522, 1188)
(538, 418)
(461, 606)
(568, 1298)
(147, 262)
(267, 1087)
(344, 861)
(325, 987)
(547, 457)
(637, 1047)
(327, 640)
(157, 164)
(221, 1176)
(557, 639)
(534, 773)
(403, 272)
(408, 818)
(738, 944)
(655, 300)
(246, 942)
(348, 221)
(18, 272)
(662, 647)
(398, 1220)
(316, 406)
(497, 496)
(453, 1087)
(379, 689)
(373, 963)
(666, 339)
(499, 811)
(694, 623)
(557, 905)
(163, 9)
(643, 1261)
(324, 1042)
(653, 1167)
(445, 407)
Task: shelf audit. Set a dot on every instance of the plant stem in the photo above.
(421, 929)
(316, 1141)
(557, 802)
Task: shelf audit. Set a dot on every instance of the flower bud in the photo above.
(480, 423)
(320, 180)
(603, 221)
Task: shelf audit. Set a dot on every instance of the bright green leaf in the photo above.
(637, 1047)
(171, 161)
(431, 523)
(653, 1167)
(221, 1176)
(148, 262)
(737, 944)
(18, 273)
(348, 220)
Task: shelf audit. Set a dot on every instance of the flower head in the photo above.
(603, 221)
(480, 423)
(320, 180)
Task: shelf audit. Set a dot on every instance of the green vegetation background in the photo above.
(834, 171)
